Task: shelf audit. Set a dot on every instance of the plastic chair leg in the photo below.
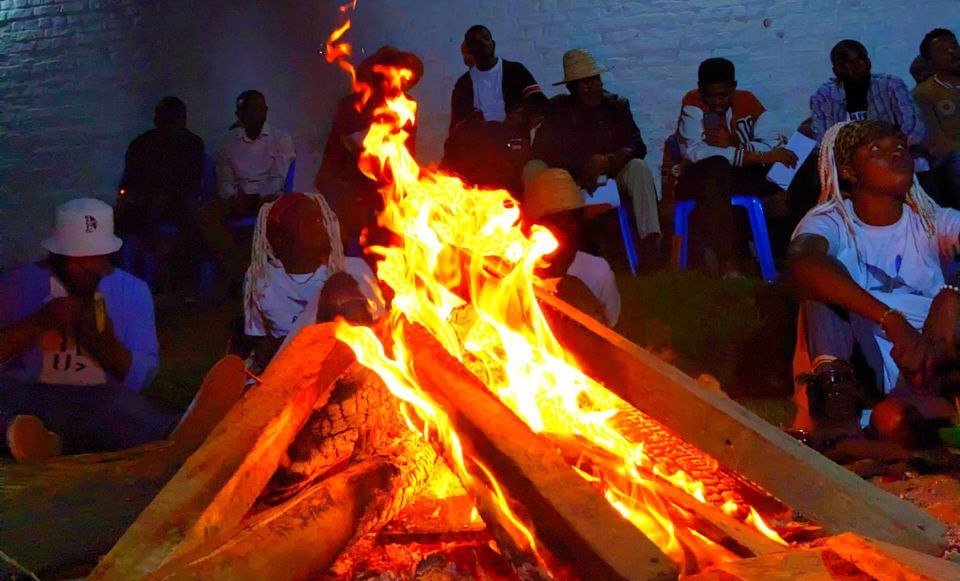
(627, 234)
(761, 237)
(681, 220)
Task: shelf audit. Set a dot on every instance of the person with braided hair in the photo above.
(297, 253)
(867, 261)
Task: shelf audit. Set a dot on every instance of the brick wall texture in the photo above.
(78, 79)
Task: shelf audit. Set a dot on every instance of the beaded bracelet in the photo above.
(883, 317)
(952, 287)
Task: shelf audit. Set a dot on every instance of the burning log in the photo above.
(848, 557)
(575, 526)
(303, 536)
(710, 521)
(91, 499)
(835, 498)
(204, 502)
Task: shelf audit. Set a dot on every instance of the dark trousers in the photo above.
(711, 183)
(90, 418)
(835, 333)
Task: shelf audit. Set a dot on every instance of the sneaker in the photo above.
(30, 442)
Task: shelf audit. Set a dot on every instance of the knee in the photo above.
(713, 168)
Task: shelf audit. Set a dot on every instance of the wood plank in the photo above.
(888, 562)
(570, 519)
(305, 535)
(828, 494)
(819, 564)
(91, 499)
(205, 501)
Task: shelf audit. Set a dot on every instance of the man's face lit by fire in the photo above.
(480, 44)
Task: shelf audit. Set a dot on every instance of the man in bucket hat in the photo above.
(77, 343)
(591, 134)
(553, 200)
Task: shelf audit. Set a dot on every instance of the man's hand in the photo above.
(596, 166)
(781, 155)
(915, 355)
(716, 138)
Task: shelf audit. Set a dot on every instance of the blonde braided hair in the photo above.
(840, 141)
(261, 253)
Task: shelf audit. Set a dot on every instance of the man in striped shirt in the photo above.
(855, 94)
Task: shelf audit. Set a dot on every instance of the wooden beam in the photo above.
(828, 494)
(205, 501)
(571, 521)
(887, 562)
(304, 536)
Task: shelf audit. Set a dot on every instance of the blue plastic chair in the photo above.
(758, 226)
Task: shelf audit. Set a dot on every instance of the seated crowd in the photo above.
(865, 256)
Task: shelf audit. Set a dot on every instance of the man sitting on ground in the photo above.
(78, 342)
(722, 131)
(591, 134)
(297, 253)
(938, 99)
(494, 106)
(554, 201)
(867, 260)
(162, 183)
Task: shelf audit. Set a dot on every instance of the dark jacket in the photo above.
(572, 132)
(520, 89)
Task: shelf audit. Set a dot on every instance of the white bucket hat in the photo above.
(579, 64)
(83, 227)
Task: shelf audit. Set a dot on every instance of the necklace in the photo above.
(293, 277)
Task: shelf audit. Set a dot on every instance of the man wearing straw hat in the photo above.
(591, 134)
(78, 341)
(553, 200)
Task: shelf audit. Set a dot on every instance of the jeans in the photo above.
(87, 418)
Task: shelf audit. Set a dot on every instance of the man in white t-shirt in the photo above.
(867, 259)
(297, 254)
(553, 200)
(494, 106)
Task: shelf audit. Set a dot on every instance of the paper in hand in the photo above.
(799, 144)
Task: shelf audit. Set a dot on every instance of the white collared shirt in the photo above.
(257, 166)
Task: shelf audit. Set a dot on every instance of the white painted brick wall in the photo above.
(79, 78)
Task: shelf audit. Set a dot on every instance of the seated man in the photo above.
(867, 260)
(354, 196)
(252, 160)
(722, 131)
(162, 183)
(493, 108)
(853, 94)
(938, 99)
(297, 252)
(78, 341)
(591, 134)
(554, 201)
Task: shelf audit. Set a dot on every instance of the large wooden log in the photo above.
(205, 501)
(571, 521)
(71, 510)
(835, 498)
(302, 537)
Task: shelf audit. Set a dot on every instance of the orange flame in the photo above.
(451, 234)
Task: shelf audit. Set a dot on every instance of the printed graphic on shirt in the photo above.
(67, 363)
(857, 116)
(888, 283)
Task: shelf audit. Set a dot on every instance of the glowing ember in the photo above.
(452, 235)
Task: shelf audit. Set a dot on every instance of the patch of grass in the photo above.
(740, 331)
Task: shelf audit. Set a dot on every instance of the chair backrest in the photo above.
(291, 173)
